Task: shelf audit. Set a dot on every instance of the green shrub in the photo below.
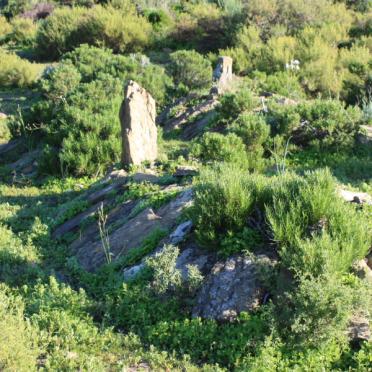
(233, 104)
(223, 201)
(17, 72)
(283, 83)
(18, 351)
(316, 231)
(190, 69)
(5, 28)
(54, 33)
(283, 119)
(216, 147)
(119, 29)
(336, 125)
(254, 132)
(23, 31)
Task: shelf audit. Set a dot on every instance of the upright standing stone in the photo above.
(222, 74)
(138, 129)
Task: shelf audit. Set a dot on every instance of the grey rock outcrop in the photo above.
(131, 233)
(232, 287)
(138, 129)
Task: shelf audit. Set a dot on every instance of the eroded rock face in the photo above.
(232, 287)
(138, 129)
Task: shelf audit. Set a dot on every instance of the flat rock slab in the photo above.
(8, 146)
(232, 287)
(132, 233)
(356, 197)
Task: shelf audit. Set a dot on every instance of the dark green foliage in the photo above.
(233, 104)
(190, 69)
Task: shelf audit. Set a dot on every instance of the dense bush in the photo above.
(190, 69)
(17, 72)
(119, 29)
(216, 147)
(23, 31)
(326, 124)
(233, 104)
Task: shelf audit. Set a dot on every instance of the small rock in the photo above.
(3, 116)
(185, 170)
(180, 232)
(359, 329)
(355, 197)
(120, 173)
(131, 272)
(362, 270)
(148, 176)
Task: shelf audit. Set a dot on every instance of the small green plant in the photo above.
(165, 274)
(103, 233)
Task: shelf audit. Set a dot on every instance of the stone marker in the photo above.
(222, 74)
(138, 129)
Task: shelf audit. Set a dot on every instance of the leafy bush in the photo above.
(190, 69)
(23, 31)
(254, 132)
(325, 124)
(283, 83)
(18, 350)
(216, 147)
(119, 29)
(232, 104)
(17, 72)
(223, 202)
(5, 28)
(317, 232)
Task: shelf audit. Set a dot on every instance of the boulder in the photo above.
(355, 197)
(232, 287)
(138, 129)
(362, 270)
(185, 170)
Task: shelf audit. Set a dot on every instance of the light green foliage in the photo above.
(284, 83)
(165, 274)
(223, 202)
(190, 69)
(17, 72)
(120, 29)
(316, 230)
(23, 31)
(216, 147)
(5, 28)
(18, 351)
